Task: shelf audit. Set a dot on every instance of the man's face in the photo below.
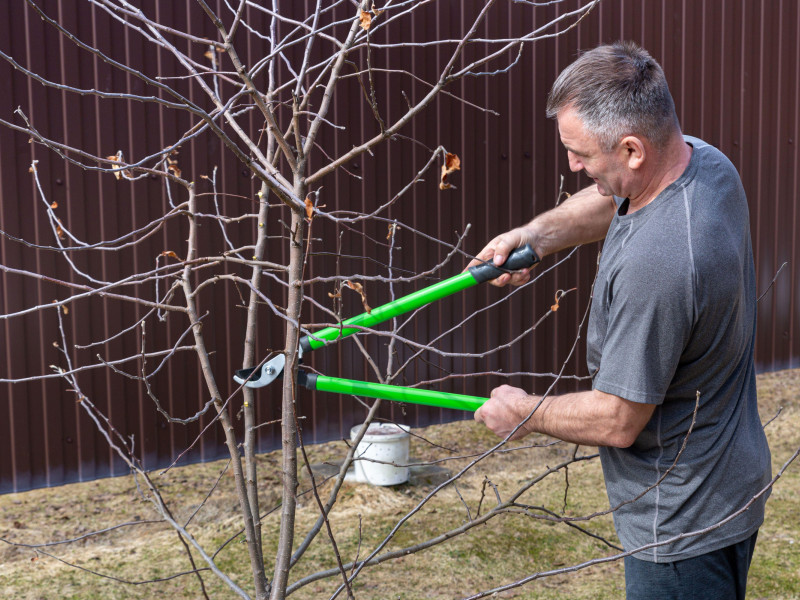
(607, 169)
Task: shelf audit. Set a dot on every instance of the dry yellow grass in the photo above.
(507, 549)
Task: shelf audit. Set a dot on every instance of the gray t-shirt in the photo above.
(674, 313)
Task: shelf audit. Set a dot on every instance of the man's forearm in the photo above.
(592, 418)
(581, 219)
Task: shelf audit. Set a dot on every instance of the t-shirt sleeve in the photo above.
(650, 315)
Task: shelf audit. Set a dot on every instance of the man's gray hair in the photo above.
(617, 90)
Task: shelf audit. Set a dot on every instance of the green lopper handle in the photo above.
(519, 258)
(336, 385)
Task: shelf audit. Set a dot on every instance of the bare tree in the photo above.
(273, 118)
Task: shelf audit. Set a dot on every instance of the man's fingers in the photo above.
(501, 253)
(484, 255)
(516, 278)
(498, 391)
(520, 277)
(502, 280)
(504, 245)
(497, 251)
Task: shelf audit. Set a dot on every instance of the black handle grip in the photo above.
(307, 380)
(520, 258)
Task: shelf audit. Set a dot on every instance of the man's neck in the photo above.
(667, 169)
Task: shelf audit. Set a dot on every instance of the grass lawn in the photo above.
(508, 548)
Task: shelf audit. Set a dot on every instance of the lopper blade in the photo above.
(261, 376)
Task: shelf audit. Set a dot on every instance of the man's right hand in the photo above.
(497, 251)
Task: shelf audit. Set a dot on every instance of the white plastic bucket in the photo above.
(386, 443)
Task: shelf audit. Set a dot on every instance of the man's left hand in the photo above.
(506, 408)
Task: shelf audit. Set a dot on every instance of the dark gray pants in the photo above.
(718, 575)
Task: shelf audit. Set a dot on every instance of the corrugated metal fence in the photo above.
(733, 69)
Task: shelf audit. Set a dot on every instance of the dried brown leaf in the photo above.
(375, 11)
(560, 294)
(334, 295)
(359, 289)
(60, 233)
(116, 158)
(54, 204)
(172, 163)
(309, 208)
(366, 20)
(451, 163)
(170, 254)
(65, 309)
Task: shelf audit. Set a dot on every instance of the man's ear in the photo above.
(633, 150)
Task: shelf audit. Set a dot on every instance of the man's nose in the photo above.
(575, 163)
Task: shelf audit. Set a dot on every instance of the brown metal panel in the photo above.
(782, 69)
(732, 66)
(793, 192)
(15, 466)
(44, 402)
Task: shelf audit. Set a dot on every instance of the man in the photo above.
(673, 316)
